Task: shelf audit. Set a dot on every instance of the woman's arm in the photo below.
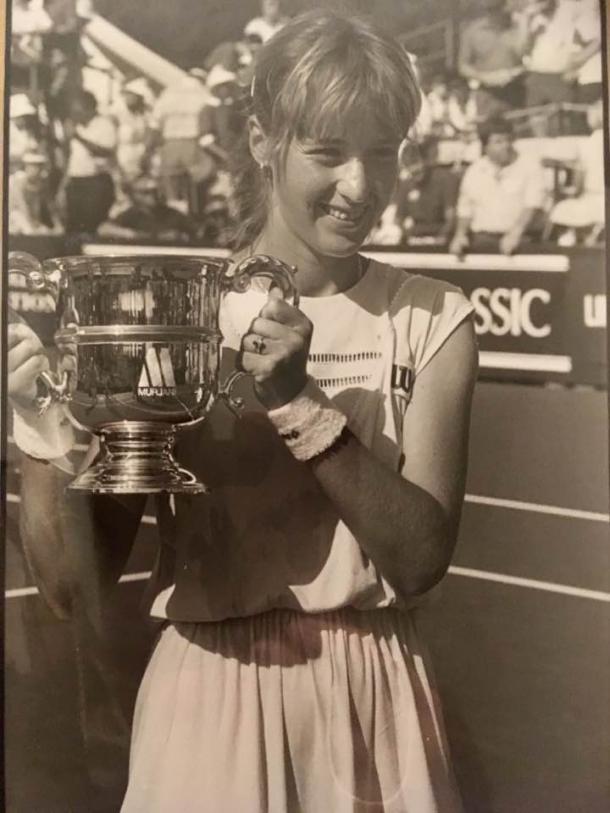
(76, 545)
(407, 523)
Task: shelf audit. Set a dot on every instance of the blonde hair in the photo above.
(311, 74)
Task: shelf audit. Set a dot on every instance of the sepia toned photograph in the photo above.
(304, 427)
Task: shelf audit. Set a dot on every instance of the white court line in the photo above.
(497, 502)
(533, 584)
(538, 508)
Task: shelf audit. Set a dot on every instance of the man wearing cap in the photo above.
(147, 218)
(220, 125)
(132, 118)
(32, 209)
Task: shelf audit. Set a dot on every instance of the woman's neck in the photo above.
(317, 275)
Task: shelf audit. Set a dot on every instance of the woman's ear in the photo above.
(259, 143)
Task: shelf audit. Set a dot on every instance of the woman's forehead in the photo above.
(349, 126)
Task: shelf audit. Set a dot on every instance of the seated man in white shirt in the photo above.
(501, 197)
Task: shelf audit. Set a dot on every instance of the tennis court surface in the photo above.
(519, 636)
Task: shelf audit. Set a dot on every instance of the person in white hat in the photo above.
(219, 125)
(32, 209)
(23, 129)
(132, 113)
(271, 20)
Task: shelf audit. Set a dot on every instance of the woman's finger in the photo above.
(20, 353)
(280, 311)
(18, 332)
(22, 381)
(271, 329)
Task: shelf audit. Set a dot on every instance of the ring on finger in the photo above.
(259, 345)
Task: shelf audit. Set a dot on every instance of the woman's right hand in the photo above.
(25, 361)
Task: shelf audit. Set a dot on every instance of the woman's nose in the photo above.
(353, 181)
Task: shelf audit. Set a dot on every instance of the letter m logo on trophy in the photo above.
(157, 376)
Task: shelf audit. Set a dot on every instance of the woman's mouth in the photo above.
(349, 217)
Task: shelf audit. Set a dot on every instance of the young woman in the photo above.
(288, 675)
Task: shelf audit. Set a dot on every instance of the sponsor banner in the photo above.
(538, 317)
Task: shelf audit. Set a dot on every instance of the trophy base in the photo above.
(136, 458)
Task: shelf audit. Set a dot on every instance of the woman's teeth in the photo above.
(341, 214)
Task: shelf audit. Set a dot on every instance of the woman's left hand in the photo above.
(275, 350)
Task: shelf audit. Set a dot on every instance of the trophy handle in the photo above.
(55, 392)
(36, 276)
(38, 279)
(239, 279)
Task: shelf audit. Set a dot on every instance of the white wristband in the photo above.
(310, 423)
(45, 437)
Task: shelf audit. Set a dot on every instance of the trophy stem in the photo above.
(136, 457)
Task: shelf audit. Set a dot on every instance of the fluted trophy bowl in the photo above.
(142, 337)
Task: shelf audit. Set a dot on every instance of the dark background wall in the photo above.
(183, 31)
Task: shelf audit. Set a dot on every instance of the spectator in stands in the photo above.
(491, 55)
(427, 197)
(501, 197)
(271, 20)
(462, 111)
(550, 52)
(220, 125)
(132, 120)
(32, 209)
(29, 23)
(438, 98)
(582, 217)
(586, 63)
(89, 189)
(175, 128)
(148, 218)
(64, 57)
(24, 133)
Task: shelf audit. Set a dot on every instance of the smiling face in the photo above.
(329, 191)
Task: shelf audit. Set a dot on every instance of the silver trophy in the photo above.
(144, 339)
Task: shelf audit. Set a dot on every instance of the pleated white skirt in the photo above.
(286, 712)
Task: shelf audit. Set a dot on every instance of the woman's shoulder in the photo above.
(424, 311)
(406, 289)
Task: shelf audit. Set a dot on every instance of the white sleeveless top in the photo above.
(267, 537)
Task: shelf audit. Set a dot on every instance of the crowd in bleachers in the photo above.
(154, 166)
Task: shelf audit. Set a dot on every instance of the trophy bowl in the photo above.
(143, 339)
